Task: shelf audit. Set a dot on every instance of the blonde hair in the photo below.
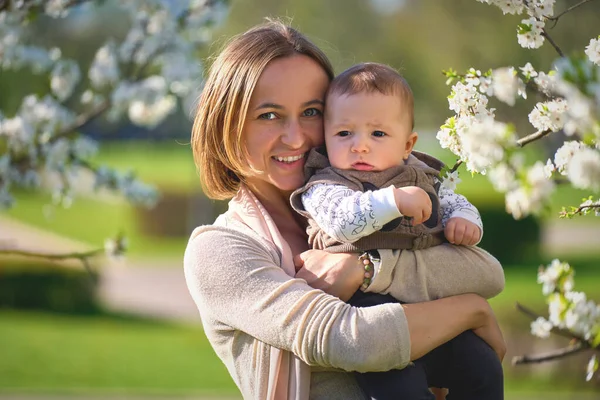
(217, 143)
(374, 77)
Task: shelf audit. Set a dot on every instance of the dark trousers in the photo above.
(466, 365)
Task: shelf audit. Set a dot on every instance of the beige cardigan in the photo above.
(244, 297)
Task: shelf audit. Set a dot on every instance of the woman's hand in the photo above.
(339, 275)
(490, 332)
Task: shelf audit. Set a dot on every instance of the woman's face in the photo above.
(284, 121)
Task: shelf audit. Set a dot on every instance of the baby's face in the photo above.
(367, 131)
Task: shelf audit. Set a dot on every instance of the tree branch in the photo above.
(551, 355)
(557, 17)
(553, 43)
(53, 256)
(532, 138)
(558, 331)
(82, 120)
(456, 165)
(581, 208)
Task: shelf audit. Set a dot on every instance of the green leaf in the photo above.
(523, 29)
(596, 340)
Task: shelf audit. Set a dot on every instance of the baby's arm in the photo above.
(348, 215)
(458, 216)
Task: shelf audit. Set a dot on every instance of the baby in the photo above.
(368, 190)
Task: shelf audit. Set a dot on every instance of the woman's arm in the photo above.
(452, 316)
(236, 280)
(425, 320)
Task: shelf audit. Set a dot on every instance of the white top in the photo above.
(348, 215)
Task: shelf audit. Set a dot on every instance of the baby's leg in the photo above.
(445, 270)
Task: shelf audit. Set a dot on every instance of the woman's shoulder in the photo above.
(227, 236)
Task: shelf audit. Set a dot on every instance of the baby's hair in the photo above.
(374, 77)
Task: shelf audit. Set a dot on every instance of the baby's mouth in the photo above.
(362, 166)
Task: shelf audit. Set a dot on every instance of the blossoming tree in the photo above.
(142, 78)
(569, 93)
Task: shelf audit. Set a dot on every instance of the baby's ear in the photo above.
(410, 144)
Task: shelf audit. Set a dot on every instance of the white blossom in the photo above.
(565, 153)
(57, 8)
(593, 51)
(557, 306)
(540, 8)
(518, 202)
(529, 196)
(529, 34)
(545, 82)
(483, 143)
(549, 169)
(104, 70)
(592, 367)
(84, 148)
(505, 85)
(163, 40)
(549, 276)
(65, 75)
(502, 177)
(485, 85)
(451, 180)
(448, 138)
(507, 6)
(541, 328)
(549, 115)
(463, 97)
(528, 71)
(584, 169)
(151, 114)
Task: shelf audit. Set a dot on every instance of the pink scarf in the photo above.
(289, 377)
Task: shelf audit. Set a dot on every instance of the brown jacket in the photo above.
(419, 170)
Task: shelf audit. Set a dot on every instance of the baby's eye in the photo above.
(379, 134)
(269, 115)
(312, 112)
(343, 133)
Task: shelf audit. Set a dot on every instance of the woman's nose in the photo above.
(293, 135)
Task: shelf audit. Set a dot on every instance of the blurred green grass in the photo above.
(167, 164)
(51, 352)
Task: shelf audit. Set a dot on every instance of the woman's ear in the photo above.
(410, 144)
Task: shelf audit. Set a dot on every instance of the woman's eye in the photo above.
(312, 112)
(269, 115)
(379, 133)
(343, 133)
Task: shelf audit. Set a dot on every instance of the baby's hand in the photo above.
(462, 232)
(412, 201)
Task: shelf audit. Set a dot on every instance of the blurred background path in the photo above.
(156, 288)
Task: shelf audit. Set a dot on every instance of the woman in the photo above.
(259, 114)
